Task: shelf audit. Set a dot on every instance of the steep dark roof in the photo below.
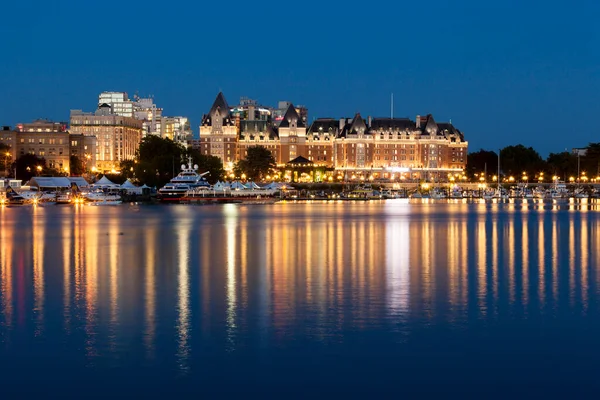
(428, 125)
(291, 115)
(219, 108)
(392, 123)
(448, 128)
(300, 160)
(323, 125)
(272, 132)
(355, 126)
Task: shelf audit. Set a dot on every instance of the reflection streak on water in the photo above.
(6, 265)
(67, 239)
(398, 262)
(481, 266)
(572, 258)
(555, 255)
(231, 221)
(38, 268)
(317, 275)
(150, 245)
(113, 248)
(541, 262)
(525, 265)
(183, 295)
(584, 248)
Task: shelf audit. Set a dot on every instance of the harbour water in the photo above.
(391, 298)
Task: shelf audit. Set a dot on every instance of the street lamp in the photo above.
(39, 169)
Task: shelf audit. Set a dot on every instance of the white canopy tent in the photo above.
(251, 185)
(105, 183)
(236, 185)
(131, 188)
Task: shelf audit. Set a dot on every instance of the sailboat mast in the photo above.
(498, 170)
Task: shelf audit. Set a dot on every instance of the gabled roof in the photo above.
(219, 108)
(300, 160)
(290, 116)
(355, 126)
(392, 123)
(448, 128)
(323, 125)
(428, 125)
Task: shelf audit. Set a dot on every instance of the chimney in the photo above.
(369, 123)
(418, 121)
(342, 123)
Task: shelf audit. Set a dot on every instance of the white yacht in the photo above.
(188, 179)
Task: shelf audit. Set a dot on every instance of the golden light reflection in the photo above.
(150, 246)
(39, 239)
(67, 233)
(231, 214)
(183, 295)
(311, 269)
(525, 261)
(585, 256)
(6, 264)
(481, 267)
(113, 279)
(397, 248)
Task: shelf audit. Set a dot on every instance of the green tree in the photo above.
(211, 164)
(590, 162)
(562, 165)
(27, 166)
(259, 162)
(77, 167)
(518, 159)
(481, 160)
(127, 168)
(158, 160)
(4, 159)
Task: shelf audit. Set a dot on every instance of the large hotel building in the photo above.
(378, 147)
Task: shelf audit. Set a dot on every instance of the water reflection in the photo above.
(185, 281)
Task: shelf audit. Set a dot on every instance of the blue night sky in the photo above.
(505, 72)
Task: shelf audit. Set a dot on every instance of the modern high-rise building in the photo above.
(153, 120)
(379, 147)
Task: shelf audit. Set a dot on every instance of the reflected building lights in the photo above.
(231, 219)
(397, 248)
(67, 234)
(151, 244)
(585, 254)
(183, 295)
(541, 262)
(6, 275)
(39, 238)
(524, 262)
(481, 267)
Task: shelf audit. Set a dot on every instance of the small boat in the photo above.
(13, 198)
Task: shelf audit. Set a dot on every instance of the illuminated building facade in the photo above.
(117, 137)
(379, 147)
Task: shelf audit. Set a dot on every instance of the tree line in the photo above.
(519, 160)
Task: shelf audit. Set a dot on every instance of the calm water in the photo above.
(290, 300)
